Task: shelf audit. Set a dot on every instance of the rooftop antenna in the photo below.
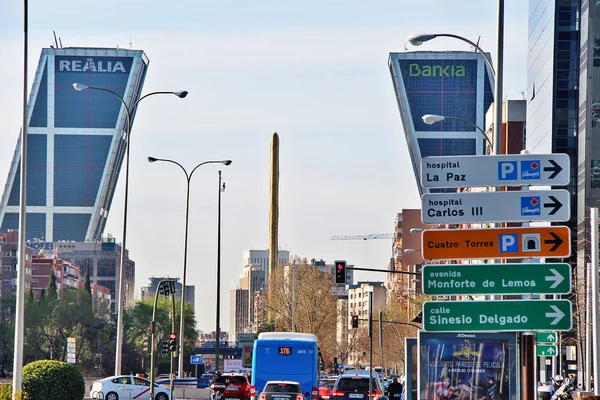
(478, 39)
(55, 41)
(60, 42)
(130, 42)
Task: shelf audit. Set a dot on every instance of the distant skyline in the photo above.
(315, 72)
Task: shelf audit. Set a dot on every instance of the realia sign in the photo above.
(93, 64)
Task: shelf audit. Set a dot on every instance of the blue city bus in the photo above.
(286, 356)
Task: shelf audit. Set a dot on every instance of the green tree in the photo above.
(7, 330)
(52, 290)
(136, 323)
(308, 294)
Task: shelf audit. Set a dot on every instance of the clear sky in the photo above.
(315, 71)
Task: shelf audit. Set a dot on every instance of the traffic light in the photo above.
(173, 342)
(340, 272)
(355, 321)
(165, 288)
(165, 347)
(145, 344)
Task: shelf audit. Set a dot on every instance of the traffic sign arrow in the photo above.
(477, 279)
(557, 315)
(510, 206)
(555, 169)
(556, 241)
(518, 242)
(556, 277)
(555, 205)
(546, 350)
(546, 337)
(496, 170)
(497, 316)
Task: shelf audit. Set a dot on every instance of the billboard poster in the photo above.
(247, 356)
(410, 369)
(467, 366)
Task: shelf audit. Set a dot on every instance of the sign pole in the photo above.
(594, 259)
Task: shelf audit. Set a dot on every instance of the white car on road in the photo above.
(127, 387)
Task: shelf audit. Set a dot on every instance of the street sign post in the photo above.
(547, 337)
(196, 359)
(496, 316)
(531, 242)
(495, 170)
(464, 279)
(514, 206)
(549, 350)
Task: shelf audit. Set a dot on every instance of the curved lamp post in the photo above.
(128, 110)
(418, 39)
(431, 119)
(188, 178)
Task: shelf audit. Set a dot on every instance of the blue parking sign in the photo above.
(196, 360)
(508, 243)
(507, 171)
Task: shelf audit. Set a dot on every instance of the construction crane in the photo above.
(364, 237)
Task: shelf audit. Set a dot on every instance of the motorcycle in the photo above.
(217, 391)
(564, 392)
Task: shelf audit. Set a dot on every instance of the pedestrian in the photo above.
(394, 388)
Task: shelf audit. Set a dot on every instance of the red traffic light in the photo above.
(340, 266)
(173, 336)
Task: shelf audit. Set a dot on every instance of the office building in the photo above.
(148, 292)
(238, 311)
(75, 142)
(453, 84)
(261, 257)
(9, 247)
(252, 279)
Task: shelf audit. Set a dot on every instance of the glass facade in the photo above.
(75, 142)
(456, 85)
(554, 107)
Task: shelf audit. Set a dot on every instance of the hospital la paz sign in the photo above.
(518, 242)
(504, 315)
(495, 170)
(512, 206)
(465, 279)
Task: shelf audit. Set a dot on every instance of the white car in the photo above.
(126, 387)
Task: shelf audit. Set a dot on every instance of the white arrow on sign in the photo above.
(557, 315)
(551, 351)
(556, 277)
(551, 337)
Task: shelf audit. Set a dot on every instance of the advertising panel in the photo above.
(247, 356)
(411, 371)
(467, 366)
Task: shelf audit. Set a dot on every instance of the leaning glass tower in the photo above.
(76, 142)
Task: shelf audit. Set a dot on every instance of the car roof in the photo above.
(286, 382)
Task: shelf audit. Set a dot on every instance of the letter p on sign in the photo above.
(509, 243)
(507, 170)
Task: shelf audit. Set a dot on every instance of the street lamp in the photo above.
(417, 39)
(409, 251)
(188, 178)
(431, 119)
(129, 110)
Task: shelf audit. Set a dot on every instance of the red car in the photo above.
(325, 387)
(237, 386)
